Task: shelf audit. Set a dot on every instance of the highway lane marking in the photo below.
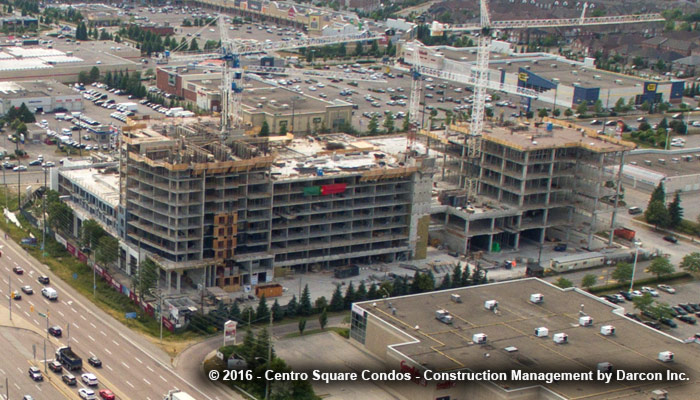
(27, 314)
(2, 372)
(17, 386)
(115, 342)
(73, 310)
(18, 306)
(6, 281)
(109, 368)
(122, 335)
(91, 338)
(83, 317)
(19, 369)
(93, 325)
(37, 386)
(147, 382)
(124, 364)
(76, 325)
(103, 333)
(36, 322)
(30, 302)
(150, 369)
(108, 352)
(20, 280)
(75, 340)
(61, 314)
(164, 380)
(140, 362)
(16, 263)
(129, 383)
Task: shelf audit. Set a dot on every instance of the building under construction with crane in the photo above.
(230, 214)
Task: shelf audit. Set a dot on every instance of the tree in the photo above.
(373, 292)
(234, 312)
(457, 275)
(582, 108)
(446, 282)
(263, 312)
(337, 300)
(659, 194)
(660, 266)
(264, 129)
(568, 112)
(349, 296)
(556, 112)
(564, 283)
(91, 233)
(323, 319)
(283, 129)
(305, 302)
(262, 346)
(83, 77)
(620, 105)
(657, 214)
(321, 303)
(107, 250)
(389, 122)
(292, 307)
(94, 74)
(623, 272)
(588, 281)
(361, 293)
(661, 310)
(277, 312)
(691, 262)
(598, 106)
(146, 277)
(406, 122)
(542, 112)
(675, 211)
(373, 125)
(645, 106)
(194, 46)
(302, 326)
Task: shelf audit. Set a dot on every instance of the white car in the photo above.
(89, 379)
(636, 293)
(652, 292)
(666, 288)
(87, 394)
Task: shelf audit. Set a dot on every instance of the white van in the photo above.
(50, 293)
(60, 116)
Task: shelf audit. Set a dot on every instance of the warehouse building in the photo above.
(38, 62)
(526, 326)
(558, 80)
(39, 96)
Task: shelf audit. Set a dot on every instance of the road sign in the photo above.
(42, 314)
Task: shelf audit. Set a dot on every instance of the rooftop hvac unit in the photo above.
(536, 298)
(662, 161)
(541, 332)
(607, 330)
(618, 81)
(555, 80)
(596, 77)
(585, 321)
(553, 65)
(490, 304)
(633, 163)
(560, 338)
(443, 316)
(479, 338)
(535, 62)
(604, 367)
(647, 162)
(666, 356)
(456, 298)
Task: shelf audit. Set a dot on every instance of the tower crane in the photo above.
(480, 69)
(232, 74)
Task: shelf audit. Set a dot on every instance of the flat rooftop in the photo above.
(687, 163)
(441, 347)
(34, 88)
(271, 99)
(92, 180)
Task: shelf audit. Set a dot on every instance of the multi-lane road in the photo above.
(133, 368)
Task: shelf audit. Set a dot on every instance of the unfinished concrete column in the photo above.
(617, 198)
(178, 278)
(594, 212)
(168, 278)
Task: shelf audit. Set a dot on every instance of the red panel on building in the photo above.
(333, 189)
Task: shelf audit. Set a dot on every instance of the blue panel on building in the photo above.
(531, 80)
(649, 94)
(503, 76)
(677, 90)
(589, 95)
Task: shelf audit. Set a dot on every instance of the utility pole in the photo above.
(19, 186)
(94, 273)
(45, 362)
(160, 315)
(43, 239)
(47, 324)
(68, 333)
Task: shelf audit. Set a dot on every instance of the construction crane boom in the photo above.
(471, 81)
(311, 73)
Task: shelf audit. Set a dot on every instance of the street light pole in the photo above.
(634, 267)
(9, 282)
(43, 239)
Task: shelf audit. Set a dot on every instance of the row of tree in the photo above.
(199, 22)
(129, 82)
(104, 246)
(623, 272)
(660, 214)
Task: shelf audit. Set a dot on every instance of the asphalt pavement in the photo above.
(132, 367)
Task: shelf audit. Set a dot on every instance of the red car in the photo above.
(106, 394)
(18, 270)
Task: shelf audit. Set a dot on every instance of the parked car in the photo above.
(688, 319)
(669, 322)
(679, 310)
(666, 288)
(652, 292)
(671, 239)
(560, 247)
(634, 210)
(633, 316)
(687, 307)
(653, 324)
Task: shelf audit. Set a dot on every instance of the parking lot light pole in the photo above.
(634, 266)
